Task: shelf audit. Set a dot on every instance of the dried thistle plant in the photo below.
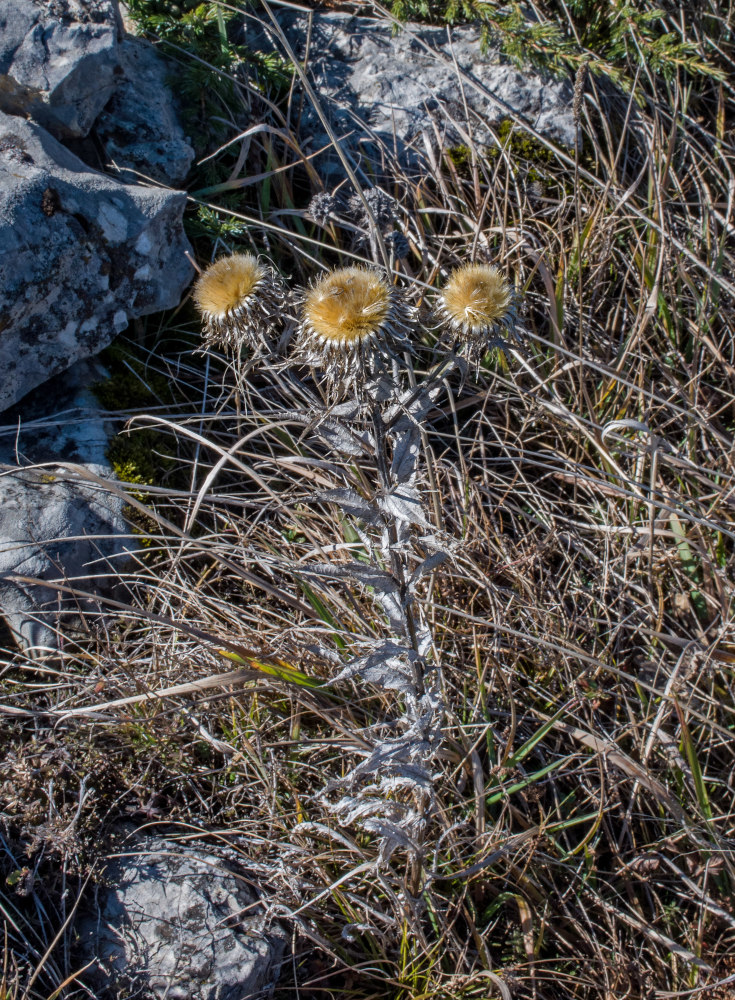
(352, 324)
(324, 208)
(382, 207)
(389, 792)
(354, 327)
(477, 306)
(241, 301)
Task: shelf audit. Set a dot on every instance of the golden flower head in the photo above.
(477, 304)
(240, 300)
(352, 320)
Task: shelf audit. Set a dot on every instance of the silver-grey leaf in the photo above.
(352, 503)
(371, 576)
(350, 931)
(337, 436)
(334, 432)
(357, 809)
(388, 666)
(324, 653)
(408, 776)
(404, 504)
(429, 564)
(391, 838)
(393, 756)
(414, 406)
(394, 611)
(349, 410)
(406, 447)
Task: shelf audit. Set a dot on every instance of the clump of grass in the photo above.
(574, 838)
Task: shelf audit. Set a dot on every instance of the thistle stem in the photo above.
(397, 562)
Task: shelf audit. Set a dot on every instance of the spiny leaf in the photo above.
(352, 503)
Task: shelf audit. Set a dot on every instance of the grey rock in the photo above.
(56, 525)
(80, 255)
(178, 921)
(58, 61)
(393, 94)
(139, 128)
(61, 421)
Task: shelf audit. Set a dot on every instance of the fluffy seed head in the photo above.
(240, 300)
(226, 284)
(348, 305)
(351, 318)
(476, 303)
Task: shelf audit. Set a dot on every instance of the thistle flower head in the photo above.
(323, 207)
(477, 304)
(351, 320)
(397, 244)
(382, 206)
(240, 300)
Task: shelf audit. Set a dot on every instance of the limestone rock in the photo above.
(139, 128)
(177, 921)
(60, 421)
(55, 525)
(80, 255)
(58, 61)
(387, 89)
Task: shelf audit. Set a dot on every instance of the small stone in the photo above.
(176, 921)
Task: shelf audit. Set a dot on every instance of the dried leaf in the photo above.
(352, 809)
(396, 758)
(352, 503)
(429, 564)
(404, 504)
(335, 434)
(371, 576)
(406, 449)
(395, 612)
(388, 666)
(392, 837)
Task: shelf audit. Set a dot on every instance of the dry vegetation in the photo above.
(580, 839)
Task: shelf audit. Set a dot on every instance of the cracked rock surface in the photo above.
(402, 91)
(80, 255)
(179, 921)
(57, 526)
(139, 128)
(59, 61)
